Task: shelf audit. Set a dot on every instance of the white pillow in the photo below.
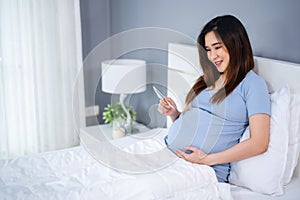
(294, 137)
(263, 173)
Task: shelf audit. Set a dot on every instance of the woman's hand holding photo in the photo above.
(168, 107)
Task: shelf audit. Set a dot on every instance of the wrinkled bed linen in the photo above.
(74, 174)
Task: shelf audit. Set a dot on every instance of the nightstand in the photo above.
(104, 131)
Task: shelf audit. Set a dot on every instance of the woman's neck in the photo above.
(219, 83)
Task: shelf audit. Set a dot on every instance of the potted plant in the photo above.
(116, 116)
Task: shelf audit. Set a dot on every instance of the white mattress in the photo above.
(74, 174)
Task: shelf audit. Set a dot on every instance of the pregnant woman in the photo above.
(223, 102)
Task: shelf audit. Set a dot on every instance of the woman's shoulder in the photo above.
(252, 78)
(253, 81)
(251, 75)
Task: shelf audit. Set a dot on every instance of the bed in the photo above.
(140, 167)
(126, 168)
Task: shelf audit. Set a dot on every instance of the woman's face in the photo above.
(217, 52)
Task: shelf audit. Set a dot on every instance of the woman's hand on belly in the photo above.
(196, 155)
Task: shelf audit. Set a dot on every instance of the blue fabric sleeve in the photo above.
(257, 96)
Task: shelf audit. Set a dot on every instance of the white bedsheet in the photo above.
(291, 192)
(74, 174)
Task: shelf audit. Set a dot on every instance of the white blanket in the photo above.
(75, 174)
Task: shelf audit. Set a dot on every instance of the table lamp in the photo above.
(124, 77)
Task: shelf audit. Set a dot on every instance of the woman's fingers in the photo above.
(180, 153)
(170, 101)
(165, 103)
(195, 156)
(164, 107)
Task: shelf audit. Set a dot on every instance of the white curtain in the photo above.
(40, 61)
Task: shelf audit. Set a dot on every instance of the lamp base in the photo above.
(128, 123)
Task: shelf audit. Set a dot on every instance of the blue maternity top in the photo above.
(217, 127)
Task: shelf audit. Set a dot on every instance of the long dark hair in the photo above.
(229, 30)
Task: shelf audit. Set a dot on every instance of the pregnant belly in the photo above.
(196, 128)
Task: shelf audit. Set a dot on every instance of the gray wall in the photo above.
(95, 23)
(273, 27)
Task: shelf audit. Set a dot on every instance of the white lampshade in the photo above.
(124, 76)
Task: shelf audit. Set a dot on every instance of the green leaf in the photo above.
(111, 113)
